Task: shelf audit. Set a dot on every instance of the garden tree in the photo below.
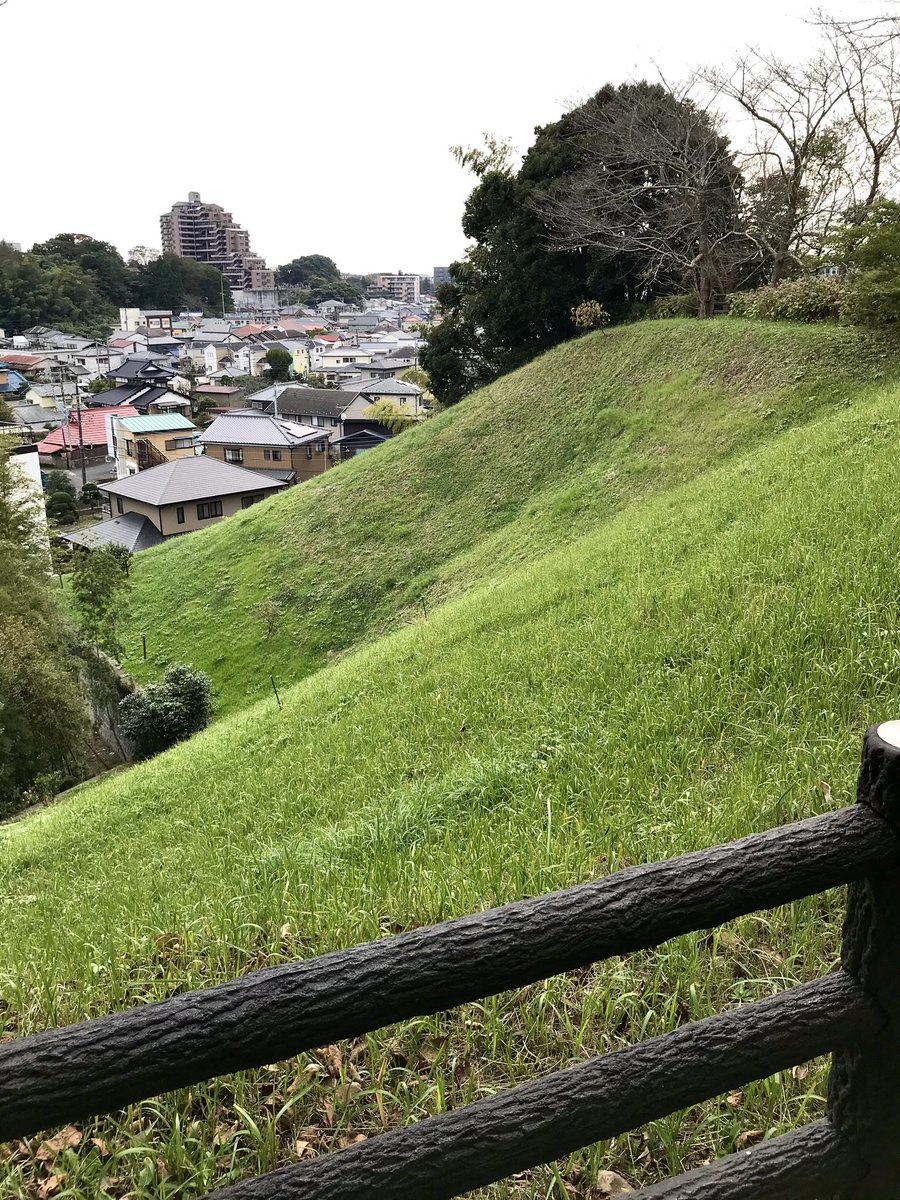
(100, 384)
(6, 412)
(280, 363)
(36, 291)
(657, 183)
(90, 497)
(61, 508)
(102, 261)
(173, 282)
(59, 481)
(512, 296)
(395, 417)
(99, 581)
(42, 713)
(162, 714)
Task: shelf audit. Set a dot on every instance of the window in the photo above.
(179, 443)
(179, 515)
(129, 446)
(234, 454)
(246, 501)
(335, 420)
(309, 451)
(320, 447)
(119, 504)
(212, 508)
(318, 421)
(267, 455)
(276, 456)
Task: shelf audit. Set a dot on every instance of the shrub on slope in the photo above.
(514, 471)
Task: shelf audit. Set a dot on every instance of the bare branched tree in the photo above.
(797, 165)
(867, 57)
(657, 181)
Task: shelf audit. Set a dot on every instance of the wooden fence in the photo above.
(854, 1014)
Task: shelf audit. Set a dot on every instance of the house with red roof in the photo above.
(96, 429)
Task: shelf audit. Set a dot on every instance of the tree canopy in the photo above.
(513, 294)
(317, 278)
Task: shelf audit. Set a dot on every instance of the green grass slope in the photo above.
(514, 471)
(699, 667)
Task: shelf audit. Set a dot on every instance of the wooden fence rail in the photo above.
(103, 1064)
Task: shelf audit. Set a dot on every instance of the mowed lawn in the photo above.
(513, 472)
(699, 666)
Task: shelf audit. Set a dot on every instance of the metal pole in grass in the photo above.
(144, 644)
(863, 1089)
(275, 690)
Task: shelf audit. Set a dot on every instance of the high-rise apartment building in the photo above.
(208, 234)
(442, 275)
(404, 288)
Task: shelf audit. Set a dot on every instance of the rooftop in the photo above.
(186, 479)
(157, 423)
(258, 430)
(130, 530)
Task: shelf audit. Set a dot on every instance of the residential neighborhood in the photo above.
(279, 390)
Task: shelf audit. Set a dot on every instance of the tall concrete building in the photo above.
(442, 275)
(404, 288)
(208, 234)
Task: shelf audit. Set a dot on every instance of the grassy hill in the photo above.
(694, 666)
(520, 467)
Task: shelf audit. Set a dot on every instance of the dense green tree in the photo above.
(90, 496)
(308, 271)
(101, 260)
(99, 581)
(42, 714)
(870, 253)
(395, 417)
(316, 278)
(177, 283)
(280, 363)
(512, 296)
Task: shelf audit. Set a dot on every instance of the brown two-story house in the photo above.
(285, 450)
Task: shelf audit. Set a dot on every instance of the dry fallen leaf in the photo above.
(800, 1071)
(748, 1138)
(50, 1186)
(101, 1146)
(609, 1183)
(67, 1139)
(734, 1099)
(301, 1147)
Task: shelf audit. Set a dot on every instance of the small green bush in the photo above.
(667, 307)
(812, 298)
(61, 506)
(161, 714)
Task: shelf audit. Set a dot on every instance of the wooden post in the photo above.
(863, 1091)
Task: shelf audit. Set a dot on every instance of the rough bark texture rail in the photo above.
(103, 1064)
(806, 1164)
(863, 1100)
(535, 1122)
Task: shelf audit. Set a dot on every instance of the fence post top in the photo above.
(879, 772)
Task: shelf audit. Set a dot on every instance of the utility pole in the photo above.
(80, 434)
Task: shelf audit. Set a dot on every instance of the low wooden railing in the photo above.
(854, 1014)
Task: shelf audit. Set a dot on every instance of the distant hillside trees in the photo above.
(316, 277)
(513, 294)
(77, 284)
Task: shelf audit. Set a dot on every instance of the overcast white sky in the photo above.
(323, 128)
